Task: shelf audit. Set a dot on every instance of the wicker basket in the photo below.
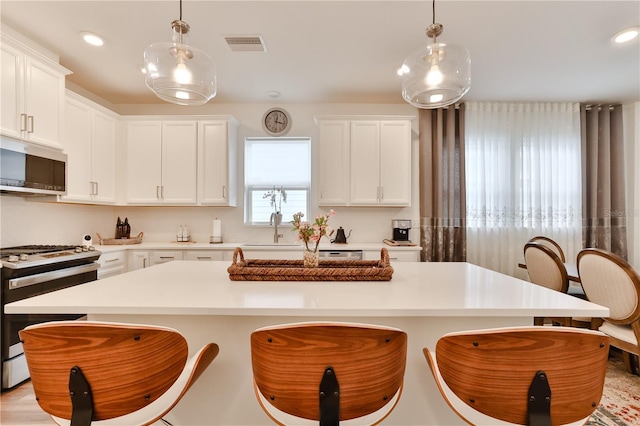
(119, 241)
(293, 270)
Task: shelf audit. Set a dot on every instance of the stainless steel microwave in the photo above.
(28, 170)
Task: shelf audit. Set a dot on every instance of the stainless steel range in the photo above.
(29, 271)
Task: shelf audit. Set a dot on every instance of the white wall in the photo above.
(69, 222)
(23, 221)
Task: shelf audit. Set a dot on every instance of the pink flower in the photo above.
(312, 232)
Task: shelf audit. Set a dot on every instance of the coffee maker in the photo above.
(401, 229)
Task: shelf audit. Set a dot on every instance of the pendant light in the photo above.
(437, 74)
(179, 73)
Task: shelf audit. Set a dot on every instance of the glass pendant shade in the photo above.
(436, 75)
(179, 73)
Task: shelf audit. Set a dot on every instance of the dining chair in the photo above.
(102, 373)
(548, 242)
(521, 375)
(326, 372)
(610, 281)
(546, 268)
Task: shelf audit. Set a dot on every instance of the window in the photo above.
(274, 164)
(523, 178)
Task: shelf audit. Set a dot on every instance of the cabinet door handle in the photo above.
(112, 260)
(97, 189)
(224, 192)
(381, 193)
(162, 191)
(23, 122)
(158, 191)
(204, 257)
(144, 262)
(30, 126)
(168, 257)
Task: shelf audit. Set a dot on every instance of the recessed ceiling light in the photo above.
(92, 39)
(273, 94)
(626, 35)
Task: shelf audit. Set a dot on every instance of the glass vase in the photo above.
(310, 258)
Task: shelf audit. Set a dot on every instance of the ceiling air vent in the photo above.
(251, 43)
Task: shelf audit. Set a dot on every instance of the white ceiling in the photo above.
(348, 51)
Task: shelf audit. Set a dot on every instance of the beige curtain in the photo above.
(442, 185)
(603, 184)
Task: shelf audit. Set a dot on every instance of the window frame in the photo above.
(250, 189)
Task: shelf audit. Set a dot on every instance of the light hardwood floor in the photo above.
(18, 407)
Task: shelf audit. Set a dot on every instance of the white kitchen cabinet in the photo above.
(163, 256)
(204, 255)
(333, 162)
(112, 263)
(90, 144)
(217, 162)
(137, 259)
(364, 160)
(161, 162)
(380, 163)
(394, 255)
(32, 105)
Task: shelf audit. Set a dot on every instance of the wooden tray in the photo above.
(119, 241)
(293, 270)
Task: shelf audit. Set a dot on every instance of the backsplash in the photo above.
(34, 222)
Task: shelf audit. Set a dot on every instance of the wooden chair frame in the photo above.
(548, 242)
(290, 361)
(135, 373)
(485, 375)
(632, 319)
(562, 270)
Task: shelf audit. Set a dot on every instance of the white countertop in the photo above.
(247, 246)
(416, 289)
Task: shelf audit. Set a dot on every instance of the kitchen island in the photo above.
(426, 300)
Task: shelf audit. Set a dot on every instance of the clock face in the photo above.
(276, 122)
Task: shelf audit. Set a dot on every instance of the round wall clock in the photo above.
(276, 122)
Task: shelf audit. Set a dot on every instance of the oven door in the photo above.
(19, 288)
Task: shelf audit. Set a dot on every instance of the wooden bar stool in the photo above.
(524, 376)
(306, 373)
(94, 373)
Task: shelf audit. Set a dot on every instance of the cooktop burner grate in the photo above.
(33, 249)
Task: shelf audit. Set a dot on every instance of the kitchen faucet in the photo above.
(275, 219)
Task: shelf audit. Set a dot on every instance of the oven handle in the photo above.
(52, 275)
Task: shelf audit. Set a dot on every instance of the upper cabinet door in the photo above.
(179, 162)
(144, 162)
(12, 120)
(395, 163)
(32, 95)
(333, 162)
(365, 162)
(77, 146)
(217, 163)
(44, 103)
(103, 158)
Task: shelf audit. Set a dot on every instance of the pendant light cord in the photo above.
(433, 10)
(181, 8)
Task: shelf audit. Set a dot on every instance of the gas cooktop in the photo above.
(37, 255)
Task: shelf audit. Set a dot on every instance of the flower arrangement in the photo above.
(276, 196)
(312, 233)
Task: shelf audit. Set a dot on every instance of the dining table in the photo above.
(425, 299)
